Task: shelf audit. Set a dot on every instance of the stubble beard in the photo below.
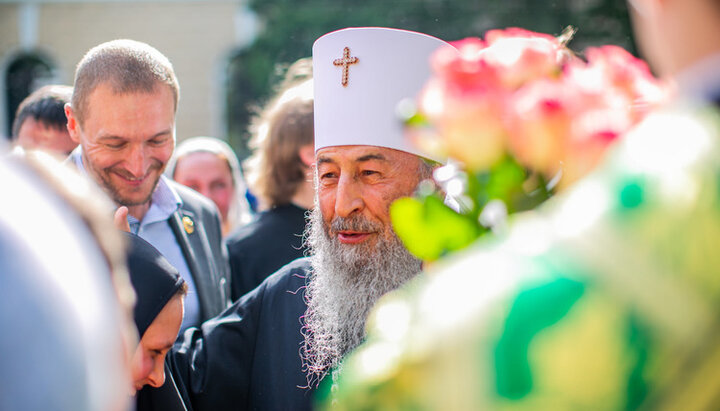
(112, 189)
(345, 283)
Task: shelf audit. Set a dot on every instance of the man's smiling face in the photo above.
(127, 139)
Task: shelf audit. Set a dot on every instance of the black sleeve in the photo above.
(237, 273)
(212, 365)
(248, 356)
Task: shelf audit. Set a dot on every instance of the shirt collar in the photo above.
(164, 202)
(76, 158)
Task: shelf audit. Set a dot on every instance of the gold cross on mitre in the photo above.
(345, 62)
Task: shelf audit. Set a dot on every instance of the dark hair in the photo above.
(127, 66)
(46, 105)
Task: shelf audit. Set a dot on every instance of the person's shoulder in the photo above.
(290, 278)
(257, 233)
(283, 291)
(292, 272)
(242, 235)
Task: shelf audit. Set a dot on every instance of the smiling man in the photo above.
(278, 342)
(123, 117)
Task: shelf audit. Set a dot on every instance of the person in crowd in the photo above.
(209, 166)
(158, 312)
(298, 72)
(272, 348)
(280, 175)
(64, 292)
(40, 121)
(607, 297)
(689, 51)
(122, 115)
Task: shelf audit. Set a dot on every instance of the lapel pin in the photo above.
(188, 224)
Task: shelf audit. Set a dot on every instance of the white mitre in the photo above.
(360, 75)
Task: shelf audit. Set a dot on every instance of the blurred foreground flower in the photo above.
(523, 117)
(604, 298)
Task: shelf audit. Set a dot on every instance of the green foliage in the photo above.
(504, 182)
(430, 229)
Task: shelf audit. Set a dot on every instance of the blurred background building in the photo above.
(41, 41)
(228, 54)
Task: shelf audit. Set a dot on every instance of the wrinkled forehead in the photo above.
(363, 153)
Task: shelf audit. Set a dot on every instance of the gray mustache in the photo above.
(354, 223)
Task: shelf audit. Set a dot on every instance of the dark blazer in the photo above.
(204, 250)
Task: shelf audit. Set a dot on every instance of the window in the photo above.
(24, 74)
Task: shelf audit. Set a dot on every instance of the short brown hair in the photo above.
(275, 170)
(127, 66)
(46, 105)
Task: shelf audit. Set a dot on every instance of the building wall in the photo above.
(197, 37)
(8, 28)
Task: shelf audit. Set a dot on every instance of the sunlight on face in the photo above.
(127, 139)
(34, 134)
(209, 175)
(363, 181)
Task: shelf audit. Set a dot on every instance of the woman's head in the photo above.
(158, 311)
(148, 362)
(210, 167)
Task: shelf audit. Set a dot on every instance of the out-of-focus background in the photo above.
(228, 54)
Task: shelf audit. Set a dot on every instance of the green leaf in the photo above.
(417, 120)
(506, 179)
(430, 229)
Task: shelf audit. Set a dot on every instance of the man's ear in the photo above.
(72, 123)
(307, 154)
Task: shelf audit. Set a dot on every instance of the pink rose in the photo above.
(522, 92)
(467, 126)
(462, 71)
(520, 56)
(539, 121)
(629, 75)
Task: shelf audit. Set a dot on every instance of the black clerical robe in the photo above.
(262, 247)
(248, 358)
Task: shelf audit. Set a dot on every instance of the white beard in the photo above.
(346, 281)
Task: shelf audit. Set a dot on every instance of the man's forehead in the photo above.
(357, 153)
(109, 89)
(154, 107)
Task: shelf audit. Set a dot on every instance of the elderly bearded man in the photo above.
(275, 345)
(123, 116)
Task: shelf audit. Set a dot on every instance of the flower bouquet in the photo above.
(518, 117)
(607, 298)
